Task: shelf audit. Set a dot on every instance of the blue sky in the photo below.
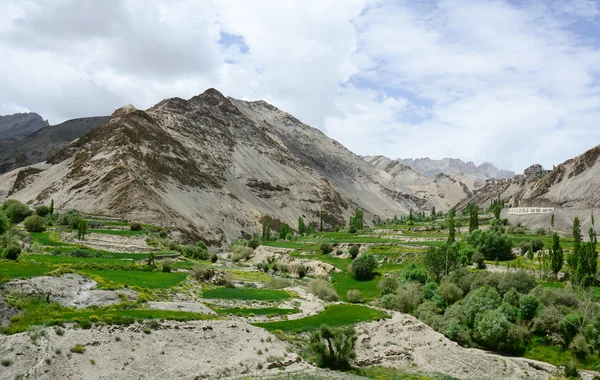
(509, 82)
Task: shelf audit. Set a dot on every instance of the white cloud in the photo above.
(490, 80)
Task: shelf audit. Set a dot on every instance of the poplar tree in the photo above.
(301, 226)
(556, 255)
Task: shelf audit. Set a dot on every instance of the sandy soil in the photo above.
(314, 268)
(114, 243)
(69, 290)
(194, 307)
(406, 343)
(191, 350)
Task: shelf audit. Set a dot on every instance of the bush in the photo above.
(352, 229)
(12, 252)
(512, 297)
(456, 312)
(429, 313)
(388, 284)
(580, 346)
(363, 266)
(322, 289)
(15, 211)
(456, 332)
(333, 348)
(537, 245)
(353, 251)
(479, 301)
(408, 298)
(413, 273)
(253, 243)
(490, 327)
(521, 281)
(4, 224)
(301, 271)
(78, 349)
(35, 223)
(202, 273)
(241, 253)
(214, 258)
(135, 227)
(166, 265)
(510, 312)
(549, 321)
(353, 296)
(571, 369)
(493, 245)
(556, 297)
(325, 248)
(450, 292)
(478, 259)
(42, 210)
(195, 252)
(529, 305)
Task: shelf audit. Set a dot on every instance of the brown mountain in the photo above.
(213, 167)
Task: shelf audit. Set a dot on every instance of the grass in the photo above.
(538, 350)
(46, 239)
(118, 232)
(50, 259)
(36, 311)
(288, 244)
(13, 269)
(247, 294)
(388, 373)
(150, 280)
(344, 281)
(262, 311)
(334, 316)
(250, 276)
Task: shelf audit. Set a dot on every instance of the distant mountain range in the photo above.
(467, 172)
(44, 142)
(20, 125)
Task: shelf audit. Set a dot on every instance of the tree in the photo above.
(552, 221)
(12, 252)
(433, 214)
(51, 208)
(151, 259)
(492, 244)
(284, 230)
(353, 251)
(473, 219)
(3, 222)
(320, 220)
(358, 219)
(363, 266)
(34, 223)
(411, 217)
(479, 301)
(577, 257)
(441, 261)
(556, 255)
(591, 257)
(301, 226)
(490, 327)
(451, 227)
(325, 248)
(497, 211)
(81, 229)
(529, 307)
(333, 348)
(266, 230)
(15, 211)
(42, 210)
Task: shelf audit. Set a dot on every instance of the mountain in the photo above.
(572, 188)
(46, 142)
(20, 124)
(441, 190)
(467, 172)
(213, 167)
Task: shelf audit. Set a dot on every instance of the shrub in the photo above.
(479, 301)
(388, 284)
(74, 222)
(4, 224)
(456, 312)
(557, 297)
(548, 321)
(35, 223)
(580, 346)
(353, 296)
(429, 313)
(529, 305)
(510, 312)
(352, 229)
(322, 289)
(413, 273)
(195, 252)
(135, 227)
(492, 244)
(333, 348)
(490, 327)
(450, 292)
(301, 271)
(456, 332)
(42, 210)
(241, 253)
(353, 251)
(325, 248)
(202, 273)
(253, 243)
(15, 211)
(78, 349)
(166, 265)
(512, 297)
(478, 259)
(537, 245)
(571, 369)
(521, 281)
(363, 266)
(6, 362)
(12, 252)
(214, 258)
(408, 298)
(278, 283)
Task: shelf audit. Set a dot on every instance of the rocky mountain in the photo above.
(441, 190)
(467, 172)
(46, 142)
(572, 188)
(20, 124)
(213, 167)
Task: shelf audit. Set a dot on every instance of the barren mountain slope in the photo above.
(40, 145)
(442, 191)
(20, 124)
(214, 167)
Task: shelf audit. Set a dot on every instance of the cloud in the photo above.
(507, 82)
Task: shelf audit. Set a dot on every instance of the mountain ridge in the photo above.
(20, 124)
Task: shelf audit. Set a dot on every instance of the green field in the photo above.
(44, 238)
(247, 294)
(51, 259)
(150, 280)
(12, 269)
(334, 316)
(118, 232)
(262, 311)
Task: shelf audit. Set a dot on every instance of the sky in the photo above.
(508, 82)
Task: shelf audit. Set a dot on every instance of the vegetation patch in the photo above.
(11, 269)
(143, 279)
(247, 294)
(118, 232)
(262, 311)
(334, 316)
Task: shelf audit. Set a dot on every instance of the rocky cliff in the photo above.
(20, 125)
